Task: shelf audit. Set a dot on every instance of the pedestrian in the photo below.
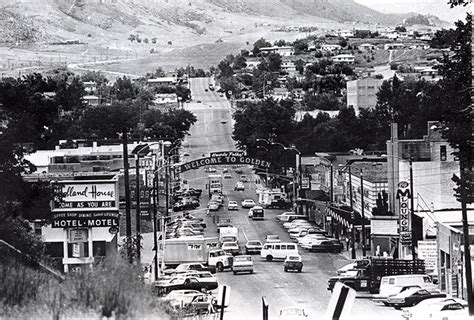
(348, 243)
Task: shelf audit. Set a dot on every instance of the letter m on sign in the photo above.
(403, 193)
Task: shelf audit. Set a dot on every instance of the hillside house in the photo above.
(282, 51)
(91, 100)
(163, 81)
(330, 47)
(90, 86)
(280, 93)
(346, 33)
(367, 47)
(344, 58)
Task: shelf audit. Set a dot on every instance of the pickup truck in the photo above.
(368, 272)
(242, 263)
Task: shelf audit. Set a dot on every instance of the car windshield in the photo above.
(294, 258)
(272, 237)
(242, 258)
(255, 243)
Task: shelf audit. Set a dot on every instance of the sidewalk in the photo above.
(348, 254)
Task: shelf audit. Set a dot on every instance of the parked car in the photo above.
(185, 282)
(272, 238)
(292, 313)
(347, 267)
(210, 169)
(296, 223)
(238, 171)
(437, 308)
(253, 246)
(413, 296)
(189, 266)
(328, 245)
(231, 247)
(183, 298)
(232, 205)
(248, 203)
(242, 263)
(279, 216)
(307, 241)
(239, 186)
(227, 176)
(293, 262)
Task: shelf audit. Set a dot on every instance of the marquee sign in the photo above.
(85, 219)
(228, 154)
(224, 160)
(403, 194)
(84, 196)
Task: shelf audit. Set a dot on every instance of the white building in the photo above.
(282, 51)
(163, 81)
(330, 47)
(344, 58)
(362, 93)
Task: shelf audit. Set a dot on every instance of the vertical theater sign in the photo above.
(403, 195)
(88, 213)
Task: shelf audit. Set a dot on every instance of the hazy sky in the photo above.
(438, 8)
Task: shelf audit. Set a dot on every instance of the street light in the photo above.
(266, 169)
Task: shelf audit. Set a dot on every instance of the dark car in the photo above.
(329, 245)
(294, 263)
(413, 296)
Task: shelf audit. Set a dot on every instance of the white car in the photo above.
(310, 242)
(248, 203)
(296, 223)
(231, 247)
(242, 264)
(177, 298)
(437, 309)
(232, 205)
(239, 186)
(289, 213)
(213, 206)
(292, 313)
(271, 238)
(347, 267)
(310, 237)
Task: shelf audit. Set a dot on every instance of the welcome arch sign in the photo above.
(225, 158)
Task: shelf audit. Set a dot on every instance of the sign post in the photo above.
(340, 305)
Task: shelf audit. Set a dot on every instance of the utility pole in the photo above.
(412, 216)
(137, 207)
(352, 216)
(128, 219)
(362, 211)
(155, 225)
(331, 179)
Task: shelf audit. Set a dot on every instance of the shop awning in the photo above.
(344, 216)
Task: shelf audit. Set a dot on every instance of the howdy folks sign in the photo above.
(222, 160)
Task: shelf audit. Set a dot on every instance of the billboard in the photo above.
(85, 195)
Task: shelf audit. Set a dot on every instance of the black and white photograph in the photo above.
(236, 160)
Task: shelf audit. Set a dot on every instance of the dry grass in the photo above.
(112, 289)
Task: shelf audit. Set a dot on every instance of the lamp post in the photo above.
(266, 169)
(297, 174)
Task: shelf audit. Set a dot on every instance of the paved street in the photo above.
(307, 289)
